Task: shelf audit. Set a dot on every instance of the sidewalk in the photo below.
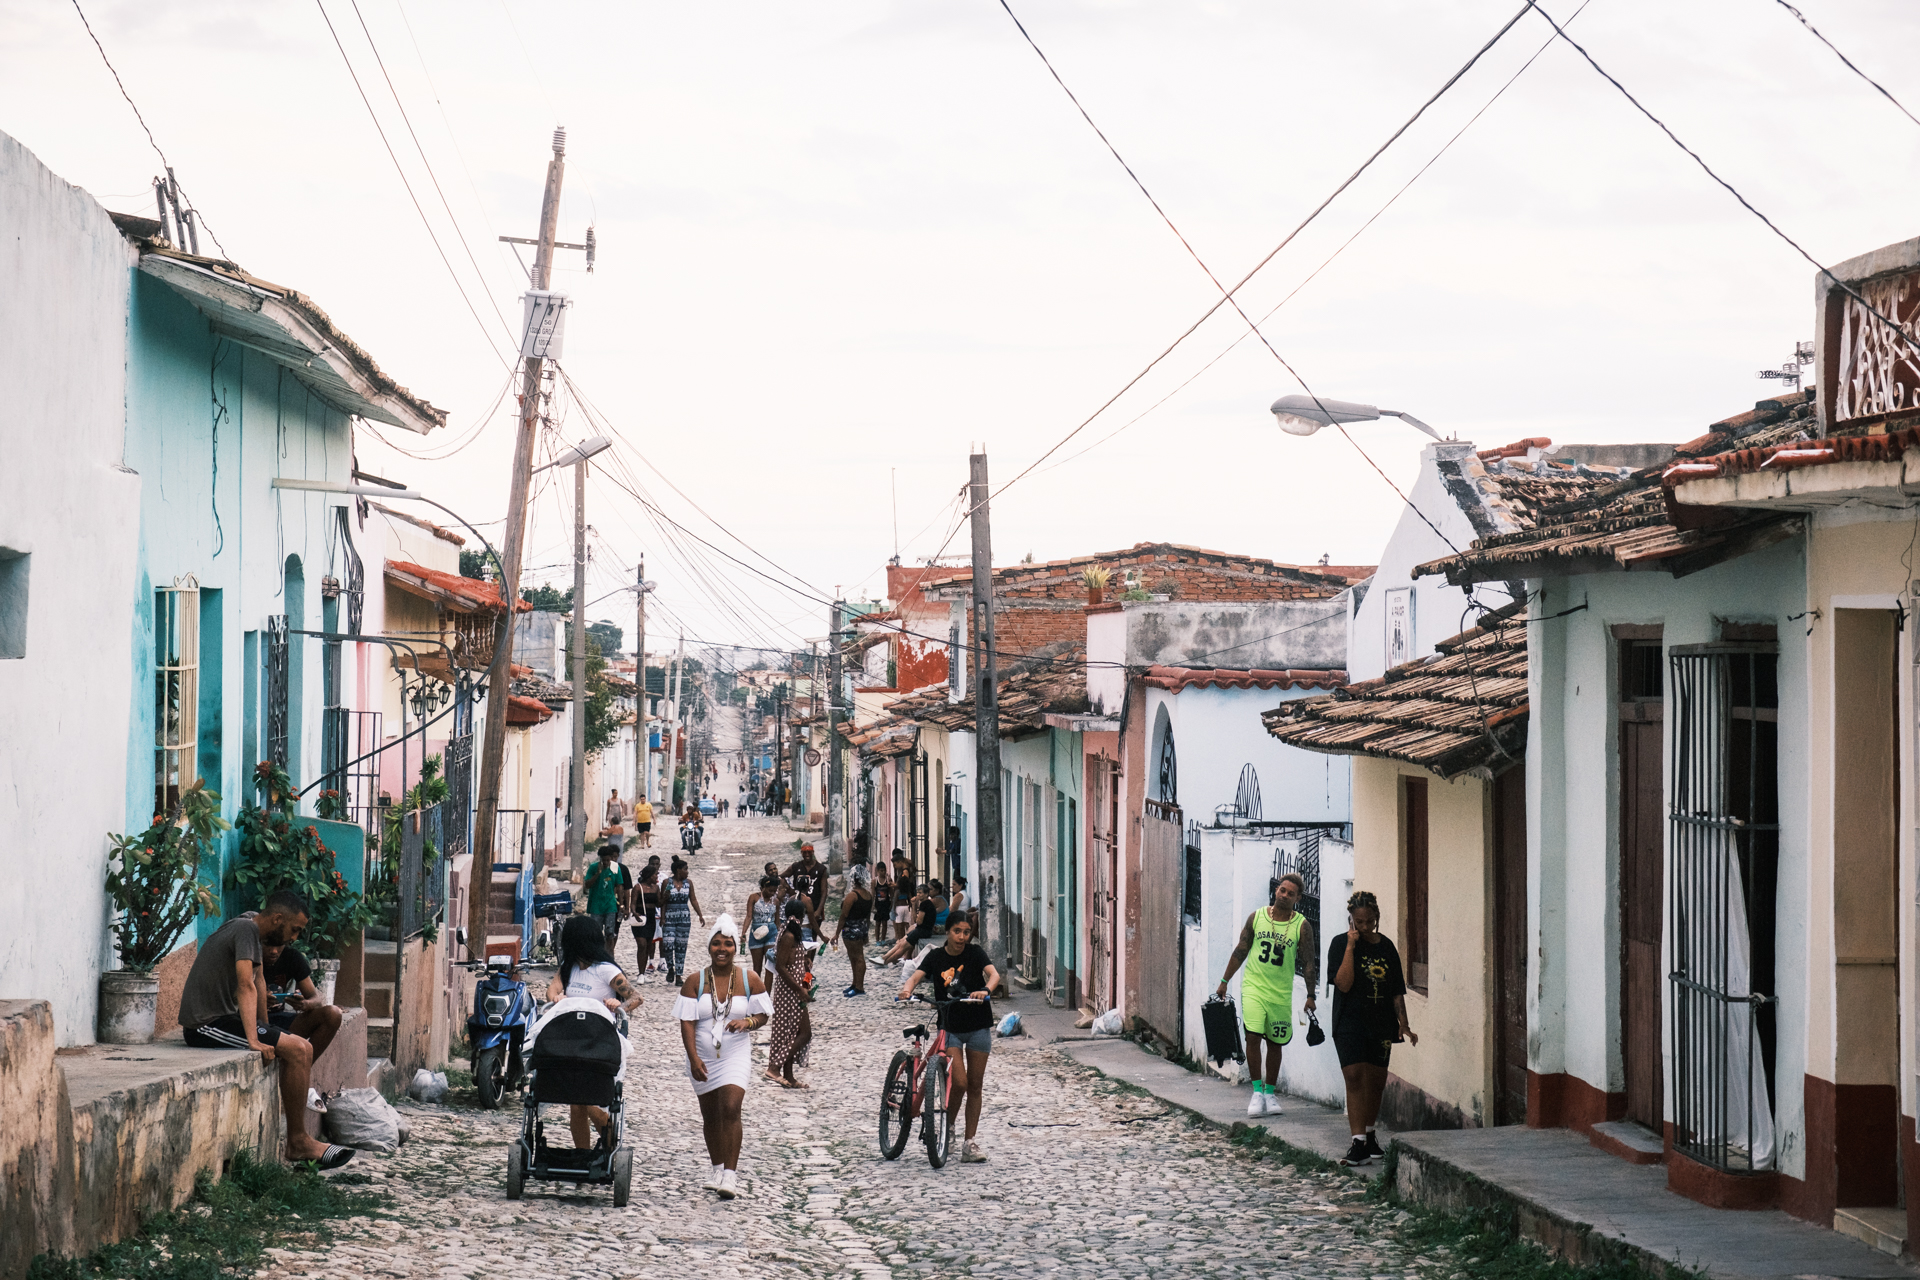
(1568, 1195)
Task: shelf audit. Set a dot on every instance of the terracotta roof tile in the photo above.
(463, 595)
(1178, 678)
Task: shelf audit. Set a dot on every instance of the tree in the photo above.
(606, 635)
(597, 706)
(474, 564)
(549, 599)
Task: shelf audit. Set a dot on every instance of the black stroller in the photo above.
(575, 1061)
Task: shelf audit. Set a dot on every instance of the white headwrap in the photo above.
(724, 925)
(861, 875)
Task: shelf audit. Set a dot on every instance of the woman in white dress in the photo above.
(719, 1009)
(588, 973)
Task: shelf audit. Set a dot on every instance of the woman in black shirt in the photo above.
(961, 971)
(1369, 1017)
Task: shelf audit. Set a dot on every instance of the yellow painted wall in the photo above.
(1453, 1061)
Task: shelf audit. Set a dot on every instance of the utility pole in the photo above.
(577, 792)
(986, 717)
(679, 721)
(500, 673)
(836, 828)
(643, 757)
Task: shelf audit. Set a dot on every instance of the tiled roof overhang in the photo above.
(1178, 678)
(1461, 711)
(286, 327)
(449, 590)
(527, 711)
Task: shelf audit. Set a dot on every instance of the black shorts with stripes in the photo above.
(227, 1032)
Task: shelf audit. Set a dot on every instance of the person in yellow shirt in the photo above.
(643, 822)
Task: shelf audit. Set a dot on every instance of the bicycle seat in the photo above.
(915, 1033)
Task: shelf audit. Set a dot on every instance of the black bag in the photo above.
(1314, 1034)
(1221, 1018)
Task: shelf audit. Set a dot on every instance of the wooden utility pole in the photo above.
(836, 828)
(577, 791)
(500, 673)
(986, 720)
(643, 759)
(679, 721)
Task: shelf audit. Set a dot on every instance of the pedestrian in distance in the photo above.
(1369, 1018)
(223, 1005)
(808, 876)
(615, 826)
(882, 898)
(763, 917)
(588, 972)
(792, 1023)
(719, 1009)
(643, 822)
(644, 905)
(962, 971)
(608, 884)
(1276, 943)
(301, 1010)
(856, 917)
(678, 905)
(929, 912)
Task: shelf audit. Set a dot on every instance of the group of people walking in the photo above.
(1277, 944)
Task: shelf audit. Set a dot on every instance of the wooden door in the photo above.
(1162, 932)
(1642, 879)
(1511, 946)
(1103, 874)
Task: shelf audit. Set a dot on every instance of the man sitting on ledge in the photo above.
(229, 976)
(303, 1012)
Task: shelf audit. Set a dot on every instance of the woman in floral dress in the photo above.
(792, 1025)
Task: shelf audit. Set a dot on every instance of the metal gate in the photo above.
(1723, 834)
(918, 822)
(457, 808)
(276, 657)
(1103, 867)
(1162, 934)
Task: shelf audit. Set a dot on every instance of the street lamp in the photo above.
(577, 453)
(1304, 415)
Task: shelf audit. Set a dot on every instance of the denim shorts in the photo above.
(980, 1041)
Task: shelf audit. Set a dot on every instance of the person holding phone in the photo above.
(1369, 1018)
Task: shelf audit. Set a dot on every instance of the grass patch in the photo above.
(1486, 1244)
(1263, 1144)
(225, 1227)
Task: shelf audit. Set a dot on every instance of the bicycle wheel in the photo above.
(936, 1123)
(896, 1106)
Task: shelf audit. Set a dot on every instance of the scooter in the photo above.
(502, 1012)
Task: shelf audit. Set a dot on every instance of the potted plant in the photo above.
(153, 881)
(278, 850)
(1096, 577)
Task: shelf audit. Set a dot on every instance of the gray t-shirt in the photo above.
(212, 989)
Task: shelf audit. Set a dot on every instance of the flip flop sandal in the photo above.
(332, 1158)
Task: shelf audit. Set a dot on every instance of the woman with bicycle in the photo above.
(792, 1024)
(719, 1009)
(962, 972)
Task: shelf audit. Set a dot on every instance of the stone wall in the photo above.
(36, 1139)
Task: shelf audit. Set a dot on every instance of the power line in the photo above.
(1288, 239)
(151, 140)
(378, 128)
(1843, 57)
(1730, 189)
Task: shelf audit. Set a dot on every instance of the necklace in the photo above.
(719, 1018)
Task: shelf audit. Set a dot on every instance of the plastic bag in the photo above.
(363, 1120)
(1107, 1024)
(1010, 1025)
(428, 1086)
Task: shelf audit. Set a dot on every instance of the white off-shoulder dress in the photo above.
(731, 1060)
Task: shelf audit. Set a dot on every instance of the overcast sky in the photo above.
(839, 243)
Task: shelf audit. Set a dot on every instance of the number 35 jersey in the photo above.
(1276, 948)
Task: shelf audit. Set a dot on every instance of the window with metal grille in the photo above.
(276, 690)
(1415, 864)
(176, 691)
(1190, 894)
(1724, 837)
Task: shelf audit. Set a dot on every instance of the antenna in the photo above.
(893, 480)
(1790, 371)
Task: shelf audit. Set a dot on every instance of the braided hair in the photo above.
(1363, 898)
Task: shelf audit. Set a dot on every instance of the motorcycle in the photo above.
(502, 1011)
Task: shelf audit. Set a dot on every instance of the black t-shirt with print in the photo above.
(290, 970)
(955, 978)
(1367, 1011)
(807, 879)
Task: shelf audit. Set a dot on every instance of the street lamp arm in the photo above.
(1411, 421)
(390, 495)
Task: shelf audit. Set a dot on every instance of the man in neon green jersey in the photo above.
(1276, 943)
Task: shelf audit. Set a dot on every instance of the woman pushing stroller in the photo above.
(588, 977)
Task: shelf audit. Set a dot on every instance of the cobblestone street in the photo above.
(1084, 1178)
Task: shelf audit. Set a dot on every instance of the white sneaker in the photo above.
(729, 1184)
(1271, 1103)
(1257, 1104)
(713, 1177)
(970, 1153)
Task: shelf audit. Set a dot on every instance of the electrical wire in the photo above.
(1815, 31)
(151, 140)
(431, 235)
(1728, 187)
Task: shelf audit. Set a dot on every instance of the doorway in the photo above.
(1510, 946)
(1642, 869)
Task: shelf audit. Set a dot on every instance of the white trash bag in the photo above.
(363, 1120)
(1108, 1023)
(428, 1086)
(1010, 1025)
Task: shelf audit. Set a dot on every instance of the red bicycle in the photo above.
(919, 1082)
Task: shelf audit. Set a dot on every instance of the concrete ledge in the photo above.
(1589, 1207)
(36, 1139)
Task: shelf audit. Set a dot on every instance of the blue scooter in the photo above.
(502, 1012)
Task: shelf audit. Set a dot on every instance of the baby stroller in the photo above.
(577, 1057)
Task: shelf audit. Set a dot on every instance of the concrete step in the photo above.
(1634, 1143)
(1884, 1229)
(377, 997)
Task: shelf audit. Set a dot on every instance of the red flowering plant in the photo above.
(278, 850)
(153, 879)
